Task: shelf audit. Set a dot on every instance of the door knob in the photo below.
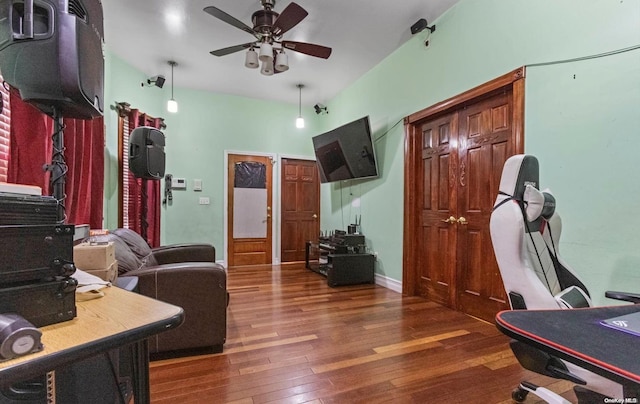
(451, 219)
(315, 216)
(462, 220)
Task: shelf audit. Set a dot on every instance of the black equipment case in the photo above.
(18, 209)
(41, 303)
(34, 253)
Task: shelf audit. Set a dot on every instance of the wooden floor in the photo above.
(293, 339)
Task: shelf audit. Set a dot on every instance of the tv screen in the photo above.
(346, 152)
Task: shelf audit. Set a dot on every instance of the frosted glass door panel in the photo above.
(250, 213)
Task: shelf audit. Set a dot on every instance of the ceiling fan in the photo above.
(268, 28)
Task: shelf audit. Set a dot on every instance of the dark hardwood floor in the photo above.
(293, 339)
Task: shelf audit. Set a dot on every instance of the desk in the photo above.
(576, 335)
(119, 318)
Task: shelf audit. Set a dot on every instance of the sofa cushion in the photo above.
(136, 243)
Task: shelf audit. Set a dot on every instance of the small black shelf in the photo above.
(339, 269)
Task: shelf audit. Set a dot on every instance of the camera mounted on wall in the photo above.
(157, 81)
(321, 109)
(420, 26)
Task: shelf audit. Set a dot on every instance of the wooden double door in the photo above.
(458, 158)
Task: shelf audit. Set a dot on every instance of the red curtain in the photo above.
(31, 149)
(140, 221)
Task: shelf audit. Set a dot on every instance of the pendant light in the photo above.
(300, 119)
(172, 104)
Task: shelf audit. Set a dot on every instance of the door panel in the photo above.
(300, 207)
(437, 263)
(249, 210)
(484, 134)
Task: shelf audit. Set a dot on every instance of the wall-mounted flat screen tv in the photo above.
(346, 152)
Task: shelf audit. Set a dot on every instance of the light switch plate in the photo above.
(197, 185)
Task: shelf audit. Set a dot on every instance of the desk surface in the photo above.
(117, 319)
(577, 336)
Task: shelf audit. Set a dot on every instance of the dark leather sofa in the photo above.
(185, 275)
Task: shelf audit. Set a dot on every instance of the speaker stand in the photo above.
(58, 167)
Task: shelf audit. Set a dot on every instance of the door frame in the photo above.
(274, 158)
(276, 194)
(412, 159)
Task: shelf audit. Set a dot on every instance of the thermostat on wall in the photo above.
(178, 183)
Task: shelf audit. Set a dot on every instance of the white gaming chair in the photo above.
(525, 232)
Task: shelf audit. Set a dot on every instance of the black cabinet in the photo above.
(350, 269)
(340, 269)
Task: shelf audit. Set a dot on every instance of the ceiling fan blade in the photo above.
(289, 18)
(232, 49)
(219, 14)
(318, 51)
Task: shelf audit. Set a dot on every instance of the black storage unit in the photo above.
(350, 269)
(341, 260)
(36, 252)
(41, 303)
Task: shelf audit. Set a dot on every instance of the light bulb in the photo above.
(172, 105)
(300, 122)
(282, 62)
(266, 52)
(251, 60)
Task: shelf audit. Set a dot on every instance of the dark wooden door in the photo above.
(463, 150)
(438, 233)
(300, 201)
(484, 135)
(249, 212)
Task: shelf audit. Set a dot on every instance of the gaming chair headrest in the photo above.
(538, 203)
(520, 180)
(518, 171)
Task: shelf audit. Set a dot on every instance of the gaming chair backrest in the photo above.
(525, 232)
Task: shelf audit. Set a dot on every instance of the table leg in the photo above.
(141, 372)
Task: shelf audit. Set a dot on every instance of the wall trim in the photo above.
(388, 283)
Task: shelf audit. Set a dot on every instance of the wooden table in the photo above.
(118, 319)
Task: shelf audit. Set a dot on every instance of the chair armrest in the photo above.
(175, 253)
(624, 296)
(200, 288)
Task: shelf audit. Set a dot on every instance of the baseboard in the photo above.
(389, 283)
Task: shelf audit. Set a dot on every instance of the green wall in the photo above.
(477, 41)
(583, 129)
(197, 137)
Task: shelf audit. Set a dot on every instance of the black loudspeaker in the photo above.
(146, 153)
(51, 51)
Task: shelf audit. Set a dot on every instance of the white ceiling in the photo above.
(149, 33)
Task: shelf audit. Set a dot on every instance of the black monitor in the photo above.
(346, 152)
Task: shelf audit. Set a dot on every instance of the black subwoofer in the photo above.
(146, 153)
(51, 51)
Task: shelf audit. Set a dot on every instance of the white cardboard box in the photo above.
(94, 256)
(108, 274)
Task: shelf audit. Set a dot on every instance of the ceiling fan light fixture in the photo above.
(267, 68)
(266, 52)
(251, 60)
(282, 62)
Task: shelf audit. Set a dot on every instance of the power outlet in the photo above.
(375, 255)
(204, 200)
